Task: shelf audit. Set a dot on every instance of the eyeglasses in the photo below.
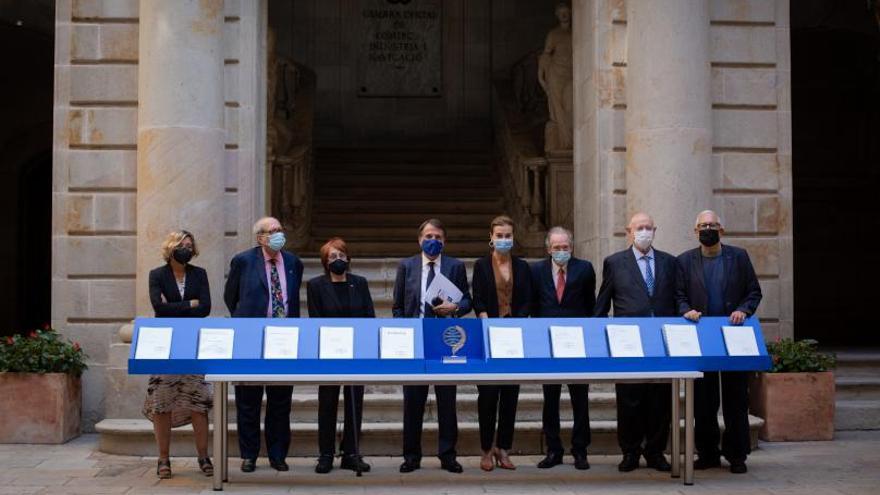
(273, 231)
(337, 256)
(708, 226)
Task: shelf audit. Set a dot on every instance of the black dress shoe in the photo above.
(580, 462)
(279, 465)
(629, 463)
(738, 467)
(451, 465)
(410, 466)
(248, 465)
(355, 463)
(552, 459)
(707, 463)
(325, 464)
(658, 462)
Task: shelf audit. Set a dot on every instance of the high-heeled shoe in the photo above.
(502, 460)
(163, 469)
(486, 461)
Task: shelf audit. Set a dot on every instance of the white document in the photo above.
(443, 288)
(682, 340)
(153, 343)
(624, 341)
(567, 342)
(336, 343)
(740, 341)
(396, 343)
(280, 342)
(216, 343)
(506, 342)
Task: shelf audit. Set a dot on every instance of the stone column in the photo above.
(180, 136)
(669, 116)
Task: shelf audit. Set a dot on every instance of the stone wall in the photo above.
(751, 155)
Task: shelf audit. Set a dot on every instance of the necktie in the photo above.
(429, 312)
(560, 285)
(649, 275)
(277, 295)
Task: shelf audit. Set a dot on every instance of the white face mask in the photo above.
(643, 239)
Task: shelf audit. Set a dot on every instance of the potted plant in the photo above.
(796, 397)
(40, 388)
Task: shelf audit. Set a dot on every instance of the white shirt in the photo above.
(425, 270)
(643, 264)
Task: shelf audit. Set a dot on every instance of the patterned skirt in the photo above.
(180, 395)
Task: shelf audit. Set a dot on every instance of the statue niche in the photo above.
(555, 77)
(290, 91)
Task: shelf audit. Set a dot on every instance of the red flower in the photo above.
(76, 346)
(33, 334)
(46, 326)
(9, 341)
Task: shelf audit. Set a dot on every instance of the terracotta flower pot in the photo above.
(795, 406)
(37, 408)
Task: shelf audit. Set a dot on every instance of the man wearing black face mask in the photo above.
(718, 280)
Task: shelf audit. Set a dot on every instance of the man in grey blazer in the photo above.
(640, 281)
(414, 276)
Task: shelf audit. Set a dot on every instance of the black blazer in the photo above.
(485, 292)
(579, 298)
(408, 285)
(247, 290)
(163, 283)
(323, 302)
(624, 286)
(741, 288)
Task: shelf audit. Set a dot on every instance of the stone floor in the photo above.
(848, 465)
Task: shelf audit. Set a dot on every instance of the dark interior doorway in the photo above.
(835, 49)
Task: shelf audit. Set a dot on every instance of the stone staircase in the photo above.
(126, 432)
(376, 199)
(857, 381)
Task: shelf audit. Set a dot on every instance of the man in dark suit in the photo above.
(264, 282)
(640, 281)
(718, 280)
(414, 276)
(564, 286)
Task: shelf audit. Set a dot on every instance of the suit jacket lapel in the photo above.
(260, 266)
(697, 270)
(414, 281)
(571, 272)
(490, 284)
(727, 256)
(632, 265)
(172, 293)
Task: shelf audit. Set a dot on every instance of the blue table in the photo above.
(248, 366)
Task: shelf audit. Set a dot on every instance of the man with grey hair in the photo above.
(640, 281)
(718, 280)
(264, 282)
(564, 287)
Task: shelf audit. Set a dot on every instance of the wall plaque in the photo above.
(401, 48)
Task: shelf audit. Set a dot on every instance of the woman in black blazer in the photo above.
(339, 294)
(502, 289)
(179, 290)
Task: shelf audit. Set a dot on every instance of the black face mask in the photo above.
(709, 237)
(338, 267)
(182, 255)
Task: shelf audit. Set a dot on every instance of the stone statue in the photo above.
(281, 85)
(555, 76)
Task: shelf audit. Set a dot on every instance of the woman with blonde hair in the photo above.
(179, 290)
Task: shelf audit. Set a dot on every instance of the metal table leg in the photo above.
(219, 433)
(676, 428)
(225, 408)
(689, 431)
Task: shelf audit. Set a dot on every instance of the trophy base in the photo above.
(454, 360)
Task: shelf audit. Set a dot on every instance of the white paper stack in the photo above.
(624, 341)
(216, 343)
(682, 340)
(567, 342)
(506, 342)
(336, 343)
(740, 341)
(153, 343)
(396, 343)
(280, 342)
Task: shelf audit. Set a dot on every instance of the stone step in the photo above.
(451, 192)
(403, 248)
(353, 233)
(857, 387)
(387, 406)
(381, 158)
(860, 362)
(135, 437)
(417, 208)
(852, 414)
(478, 177)
(407, 219)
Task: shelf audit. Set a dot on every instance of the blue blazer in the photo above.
(247, 290)
(624, 286)
(579, 298)
(741, 288)
(408, 285)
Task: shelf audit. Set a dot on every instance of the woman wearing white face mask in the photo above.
(502, 288)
